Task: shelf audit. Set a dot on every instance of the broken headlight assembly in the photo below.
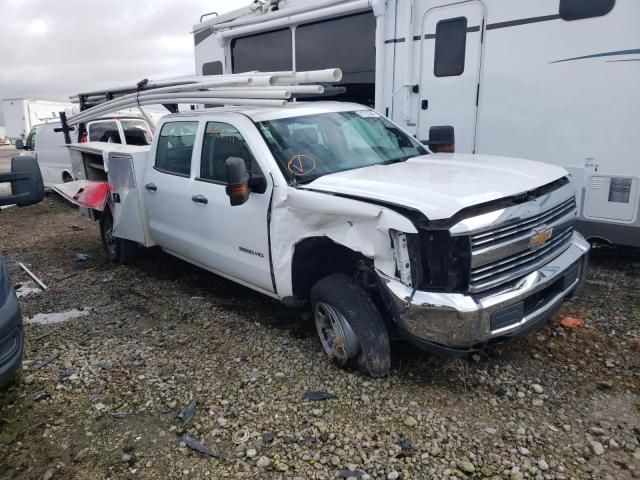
(432, 260)
(406, 252)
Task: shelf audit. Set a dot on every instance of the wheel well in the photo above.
(317, 257)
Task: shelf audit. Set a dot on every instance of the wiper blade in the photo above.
(395, 160)
(306, 180)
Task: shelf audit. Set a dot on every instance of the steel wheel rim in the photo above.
(336, 336)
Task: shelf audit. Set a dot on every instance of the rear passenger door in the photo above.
(450, 55)
(232, 241)
(167, 184)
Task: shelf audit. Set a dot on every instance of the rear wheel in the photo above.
(118, 250)
(350, 327)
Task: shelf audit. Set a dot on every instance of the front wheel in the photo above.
(351, 329)
(118, 250)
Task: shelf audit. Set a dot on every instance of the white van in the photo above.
(46, 143)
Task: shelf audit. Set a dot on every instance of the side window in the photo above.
(104, 132)
(267, 52)
(136, 132)
(212, 68)
(175, 145)
(451, 40)
(222, 141)
(579, 9)
(30, 144)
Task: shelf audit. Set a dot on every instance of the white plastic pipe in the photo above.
(159, 98)
(228, 82)
(258, 102)
(330, 75)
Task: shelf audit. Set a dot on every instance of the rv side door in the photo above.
(449, 55)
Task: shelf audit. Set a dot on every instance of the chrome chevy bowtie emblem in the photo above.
(540, 237)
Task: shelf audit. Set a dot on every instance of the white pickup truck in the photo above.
(332, 207)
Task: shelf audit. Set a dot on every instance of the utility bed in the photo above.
(108, 167)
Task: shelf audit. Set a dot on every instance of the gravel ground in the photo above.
(153, 337)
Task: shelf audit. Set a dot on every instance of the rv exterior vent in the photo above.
(597, 183)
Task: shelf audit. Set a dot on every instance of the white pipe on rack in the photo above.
(228, 82)
(253, 88)
(160, 98)
(329, 75)
(165, 82)
(258, 102)
(256, 79)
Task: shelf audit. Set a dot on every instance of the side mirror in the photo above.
(238, 181)
(19, 144)
(26, 182)
(441, 139)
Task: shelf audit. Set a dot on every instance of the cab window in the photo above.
(175, 146)
(220, 142)
(104, 132)
(136, 132)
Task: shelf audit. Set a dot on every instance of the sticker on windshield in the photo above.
(367, 113)
(301, 164)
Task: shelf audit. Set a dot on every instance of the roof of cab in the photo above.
(260, 114)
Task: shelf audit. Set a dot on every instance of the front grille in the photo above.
(503, 254)
(526, 226)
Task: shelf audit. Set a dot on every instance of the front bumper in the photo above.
(454, 323)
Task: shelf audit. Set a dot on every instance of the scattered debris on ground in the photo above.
(101, 394)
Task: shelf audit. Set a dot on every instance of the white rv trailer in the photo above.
(550, 80)
(22, 114)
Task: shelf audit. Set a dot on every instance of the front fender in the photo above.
(357, 225)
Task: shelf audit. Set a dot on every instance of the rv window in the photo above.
(451, 39)
(175, 145)
(222, 141)
(212, 68)
(104, 132)
(267, 52)
(578, 9)
(347, 43)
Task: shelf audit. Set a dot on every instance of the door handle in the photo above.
(200, 199)
(151, 187)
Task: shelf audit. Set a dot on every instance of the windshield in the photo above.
(311, 146)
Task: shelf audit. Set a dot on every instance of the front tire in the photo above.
(118, 250)
(351, 329)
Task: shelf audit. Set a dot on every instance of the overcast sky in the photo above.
(50, 49)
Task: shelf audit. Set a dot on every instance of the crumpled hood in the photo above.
(442, 184)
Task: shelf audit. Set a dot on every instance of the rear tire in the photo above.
(351, 329)
(118, 250)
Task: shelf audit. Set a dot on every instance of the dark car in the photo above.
(26, 189)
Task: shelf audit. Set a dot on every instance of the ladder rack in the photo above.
(264, 89)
